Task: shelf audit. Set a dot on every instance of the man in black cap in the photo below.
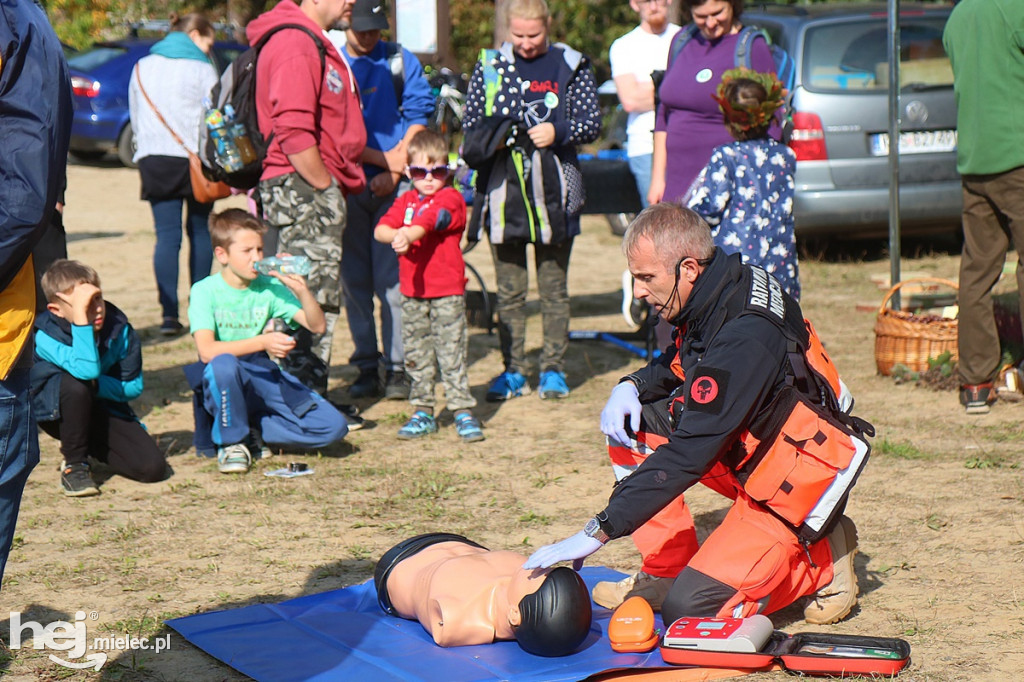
(397, 103)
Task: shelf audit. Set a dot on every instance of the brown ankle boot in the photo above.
(652, 588)
(834, 602)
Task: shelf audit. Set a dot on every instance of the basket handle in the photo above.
(934, 280)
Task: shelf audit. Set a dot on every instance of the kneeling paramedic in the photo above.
(748, 403)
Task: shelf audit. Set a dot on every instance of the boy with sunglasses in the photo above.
(424, 226)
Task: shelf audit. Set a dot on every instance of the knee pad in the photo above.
(695, 595)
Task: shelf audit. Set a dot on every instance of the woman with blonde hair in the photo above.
(530, 103)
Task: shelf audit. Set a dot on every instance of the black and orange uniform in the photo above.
(700, 399)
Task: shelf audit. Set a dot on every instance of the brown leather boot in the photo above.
(652, 588)
(834, 602)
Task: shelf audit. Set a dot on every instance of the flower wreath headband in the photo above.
(747, 117)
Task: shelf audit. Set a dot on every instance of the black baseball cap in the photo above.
(369, 15)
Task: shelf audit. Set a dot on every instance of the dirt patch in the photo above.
(940, 508)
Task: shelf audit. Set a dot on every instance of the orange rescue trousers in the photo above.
(762, 562)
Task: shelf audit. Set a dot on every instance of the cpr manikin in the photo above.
(464, 594)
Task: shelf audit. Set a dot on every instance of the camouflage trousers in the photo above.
(552, 261)
(434, 335)
(310, 223)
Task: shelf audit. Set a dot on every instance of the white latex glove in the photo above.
(574, 549)
(624, 402)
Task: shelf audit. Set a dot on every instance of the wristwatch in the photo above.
(593, 529)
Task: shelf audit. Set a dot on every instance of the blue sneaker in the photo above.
(507, 385)
(552, 385)
(468, 427)
(419, 425)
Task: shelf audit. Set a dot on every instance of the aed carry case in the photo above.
(751, 644)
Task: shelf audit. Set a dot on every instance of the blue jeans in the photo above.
(19, 453)
(167, 219)
(370, 268)
(237, 392)
(641, 169)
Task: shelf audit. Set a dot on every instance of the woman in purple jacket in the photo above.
(689, 123)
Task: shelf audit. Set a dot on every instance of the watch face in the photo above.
(592, 527)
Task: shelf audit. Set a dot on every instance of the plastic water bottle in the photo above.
(240, 135)
(228, 157)
(286, 265)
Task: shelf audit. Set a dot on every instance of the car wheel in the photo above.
(126, 146)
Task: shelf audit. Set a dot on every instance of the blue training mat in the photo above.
(343, 635)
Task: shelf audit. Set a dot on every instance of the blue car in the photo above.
(99, 78)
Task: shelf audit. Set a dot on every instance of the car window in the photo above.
(95, 57)
(854, 55)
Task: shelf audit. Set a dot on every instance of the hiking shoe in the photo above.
(171, 327)
(396, 386)
(834, 602)
(652, 588)
(76, 481)
(366, 385)
(976, 398)
(507, 385)
(552, 385)
(351, 414)
(419, 425)
(634, 311)
(468, 428)
(233, 459)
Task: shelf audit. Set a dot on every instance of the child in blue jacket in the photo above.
(88, 365)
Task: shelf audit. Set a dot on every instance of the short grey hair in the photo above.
(675, 232)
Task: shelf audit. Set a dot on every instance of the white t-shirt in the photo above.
(639, 53)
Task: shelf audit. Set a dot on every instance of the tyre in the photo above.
(126, 146)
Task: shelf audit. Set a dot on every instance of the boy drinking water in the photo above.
(424, 226)
(88, 365)
(241, 386)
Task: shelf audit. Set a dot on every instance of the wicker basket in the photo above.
(906, 339)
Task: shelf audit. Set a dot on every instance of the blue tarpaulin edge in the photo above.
(343, 634)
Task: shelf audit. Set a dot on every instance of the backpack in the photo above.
(785, 67)
(237, 87)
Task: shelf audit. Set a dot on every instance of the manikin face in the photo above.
(529, 36)
(714, 19)
(239, 257)
(655, 283)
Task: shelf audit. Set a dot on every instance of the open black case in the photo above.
(805, 653)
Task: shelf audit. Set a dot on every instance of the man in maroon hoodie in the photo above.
(307, 98)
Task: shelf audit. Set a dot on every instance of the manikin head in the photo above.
(547, 612)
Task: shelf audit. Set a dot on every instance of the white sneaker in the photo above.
(233, 459)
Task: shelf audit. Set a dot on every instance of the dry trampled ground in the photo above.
(940, 508)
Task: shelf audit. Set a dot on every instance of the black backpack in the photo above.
(237, 87)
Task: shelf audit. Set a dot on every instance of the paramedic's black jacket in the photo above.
(734, 348)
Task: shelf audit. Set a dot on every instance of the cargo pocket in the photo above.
(799, 464)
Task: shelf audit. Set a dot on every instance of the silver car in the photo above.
(840, 116)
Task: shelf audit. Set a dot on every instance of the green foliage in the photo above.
(899, 450)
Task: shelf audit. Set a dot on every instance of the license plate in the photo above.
(915, 142)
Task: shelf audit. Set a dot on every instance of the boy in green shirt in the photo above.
(241, 386)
